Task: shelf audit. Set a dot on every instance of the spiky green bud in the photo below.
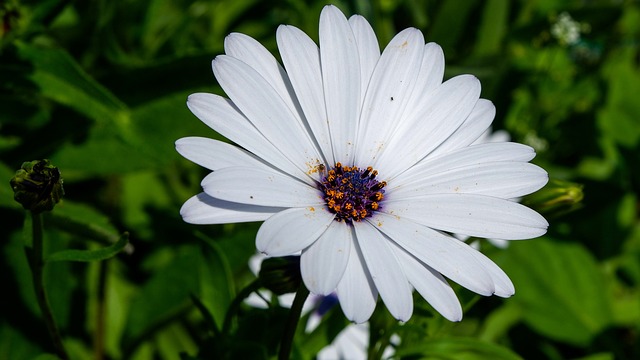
(37, 186)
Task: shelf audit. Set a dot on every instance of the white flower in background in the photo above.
(566, 30)
(362, 162)
(490, 136)
(351, 343)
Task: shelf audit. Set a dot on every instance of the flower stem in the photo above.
(235, 304)
(292, 323)
(101, 312)
(37, 271)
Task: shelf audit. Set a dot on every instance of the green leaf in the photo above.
(105, 152)
(449, 23)
(309, 344)
(493, 28)
(6, 193)
(162, 121)
(559, 288)
(91, 255)
(165, 296)
(61, 79)
(46, 357)
(16, 345)
(619, 118)
(216, 281)
(84, 221)
(456, 349)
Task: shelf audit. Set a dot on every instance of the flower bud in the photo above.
(281, 275)
(37, 186)
(557, 198)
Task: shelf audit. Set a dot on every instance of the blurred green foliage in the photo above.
(99, 87)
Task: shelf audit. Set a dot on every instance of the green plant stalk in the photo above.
(37, 271)
(100, 333)
(235, 304)
(292, 323)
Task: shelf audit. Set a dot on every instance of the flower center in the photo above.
(352, 193)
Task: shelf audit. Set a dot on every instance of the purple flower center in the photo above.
(352, 193)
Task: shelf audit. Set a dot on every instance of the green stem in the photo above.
(37, 271)
(292, 323)
(101, 312)
(235, 304)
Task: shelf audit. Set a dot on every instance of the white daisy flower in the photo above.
(362, 162)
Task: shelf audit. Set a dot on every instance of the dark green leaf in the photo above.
(91, 255)
(456, 349)
(84, 221)
(216, 281)
(165, 296)
(60, 78)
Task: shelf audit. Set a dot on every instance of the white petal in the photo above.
(301, 58)
(267, 111)
(388, 93)
(469, 214)
(258, 186)
(222, 116)
(385, 271)
(251, 52)
(356, 291)
(292, 230)
(471, 129)
(450, 257)
(431, 285)
(203, 209)
(341, 80)
(429, 77)
(440, 116)
(214, 154)
(503, 285)
(472, 155)
(368, 50)
(504, 180)
(324, 262)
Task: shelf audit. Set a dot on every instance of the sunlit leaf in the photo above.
(559, 288)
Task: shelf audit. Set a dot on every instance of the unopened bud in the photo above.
(37, 186)
(281, 275)
(558, 197)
